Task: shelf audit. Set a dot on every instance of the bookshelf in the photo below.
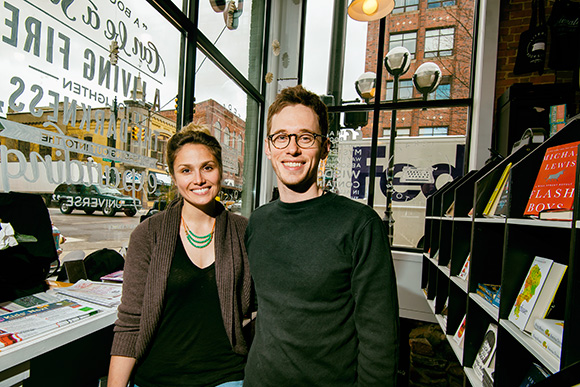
(502, 250)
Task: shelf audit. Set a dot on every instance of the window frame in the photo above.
(438, 53)
(404, 39)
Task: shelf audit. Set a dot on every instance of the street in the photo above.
(93, 232)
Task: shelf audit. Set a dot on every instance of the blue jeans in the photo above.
(237, 383)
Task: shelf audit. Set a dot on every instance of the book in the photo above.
(554, 185)
(556, 214)
(486, 351)
(537, 293)
(106, 294)
(502, 208)
(552, 329)
(450, 210)
(557, 118)
(488, 291)
(464, 273)
(113, 277)
(497, 298)
(494, 198)
(535, 374)
(459, 335)
(489, 373)
(546, 343)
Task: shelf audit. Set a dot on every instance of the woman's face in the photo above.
(197, 175)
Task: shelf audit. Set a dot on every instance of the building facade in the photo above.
(439, 31)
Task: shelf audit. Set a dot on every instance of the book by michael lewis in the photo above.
(554, 186)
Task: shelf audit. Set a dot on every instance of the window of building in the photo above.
(405, 89)
(406, 6)
(434, 131)
(217, 131)
(401, 132)
(240, 143)
(405, 39)
(440, 3)
(233, 140)
(226, 137)
(439, 42)
(443, 91)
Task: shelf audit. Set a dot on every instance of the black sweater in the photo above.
(327, 295)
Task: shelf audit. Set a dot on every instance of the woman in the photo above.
(187, 284)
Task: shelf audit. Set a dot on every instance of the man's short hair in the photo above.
(298, 95)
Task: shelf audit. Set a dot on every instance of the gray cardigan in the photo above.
(147, 264)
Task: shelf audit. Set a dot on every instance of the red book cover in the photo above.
(554, 186)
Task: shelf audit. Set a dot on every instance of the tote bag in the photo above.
(564, 44)
(531, 54)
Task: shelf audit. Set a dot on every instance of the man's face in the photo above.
(296, 167)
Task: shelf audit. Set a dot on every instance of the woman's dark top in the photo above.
(190, 347)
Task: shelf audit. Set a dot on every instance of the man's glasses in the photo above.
(303, 140)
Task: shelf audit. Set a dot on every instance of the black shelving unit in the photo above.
(501, 250)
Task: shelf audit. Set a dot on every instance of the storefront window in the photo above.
(226, 24)
(87, 98)
(429, 146)
(221, 105)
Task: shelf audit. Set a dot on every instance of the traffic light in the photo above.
(176, 104)
(114, 52)
(135, 133)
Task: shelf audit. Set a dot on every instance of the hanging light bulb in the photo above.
(370, 6)
(369, 10)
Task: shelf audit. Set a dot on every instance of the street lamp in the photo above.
(427, 78)
(397, 63)
(365, 86)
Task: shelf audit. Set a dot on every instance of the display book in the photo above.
(537, 293)
(490, 293)
(496, 205)
(484, 363)
(552, 196)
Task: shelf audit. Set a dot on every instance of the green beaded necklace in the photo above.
(199, 242)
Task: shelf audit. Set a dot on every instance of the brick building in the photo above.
(439, 31)
(229, 129)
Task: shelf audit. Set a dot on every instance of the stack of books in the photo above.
(489, 292)
(548, 333)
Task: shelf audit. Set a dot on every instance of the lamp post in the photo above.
(397, 63)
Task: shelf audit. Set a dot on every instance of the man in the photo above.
(322, 267)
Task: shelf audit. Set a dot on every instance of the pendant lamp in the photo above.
(369, 10)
